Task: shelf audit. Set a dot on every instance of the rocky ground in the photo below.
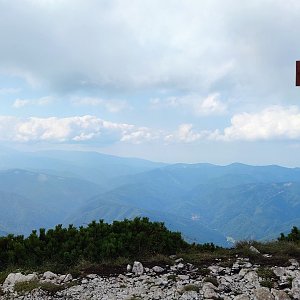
(239, 281)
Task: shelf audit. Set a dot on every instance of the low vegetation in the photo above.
(97, 243)
(51, 288)
(191, 287)
(103, 248)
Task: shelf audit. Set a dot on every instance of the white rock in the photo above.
(183, 277)
(243, 272)
(191, 295)
(296, 283)
(14, 278)
(294, 262)
(280, 295)
(49, 275)
(241, 297)
(67, 278)
(253, 249)
(279, 271)
(251, 277)
(263, 293)
(158, 269)
(210, 294)
(180, 266)
(137, 268)
(296, 293)
(128, 268)
(209, 286)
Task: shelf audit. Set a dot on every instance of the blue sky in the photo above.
(189, 81)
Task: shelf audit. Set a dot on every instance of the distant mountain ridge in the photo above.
(206, 202)
(31, 200)
(231, 200)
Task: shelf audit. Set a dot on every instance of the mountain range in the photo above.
(207, 203)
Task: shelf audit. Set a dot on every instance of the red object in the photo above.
(298, 73)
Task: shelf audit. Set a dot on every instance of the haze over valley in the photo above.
(207, 203)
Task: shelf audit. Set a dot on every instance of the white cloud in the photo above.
(19, 103)
(71, 129)
(142, 134)
(210, 105)
(272, 123)
(276, 122)
(5, 91)
(112, 106)
(121, 44)
(185, 134)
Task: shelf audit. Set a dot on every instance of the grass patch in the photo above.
(268, 277)
(281, 252)
(203, 259)
(172, 277)
(204, 271)
(158, 259)
(51, 287)
(3, 276)
(212, 280)
(267, 283)
(26, 286)
(191, 287)
(266, 273)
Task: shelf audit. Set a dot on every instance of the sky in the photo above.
(173, 80)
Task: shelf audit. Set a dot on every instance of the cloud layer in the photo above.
(66, 130)
(273, 123)
(113, 106)
(210, 105)
(189, 45)
(19, 103)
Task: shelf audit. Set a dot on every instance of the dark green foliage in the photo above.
(27, 286)
(212, 280)
(268, 277)
(266, 273)
(191, 287)
(267, 283)
(293, 236)
(172, 277)
(95, 243)
(211, 247)
(51, 288)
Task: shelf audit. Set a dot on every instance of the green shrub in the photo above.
(266, 273)
(172, 277)
(213, 280)
(267, 283)
(191, 287)
(293, 236)
(63, 248)
(204, 271)
(52, 288)
(3, 276)
(26, 286)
